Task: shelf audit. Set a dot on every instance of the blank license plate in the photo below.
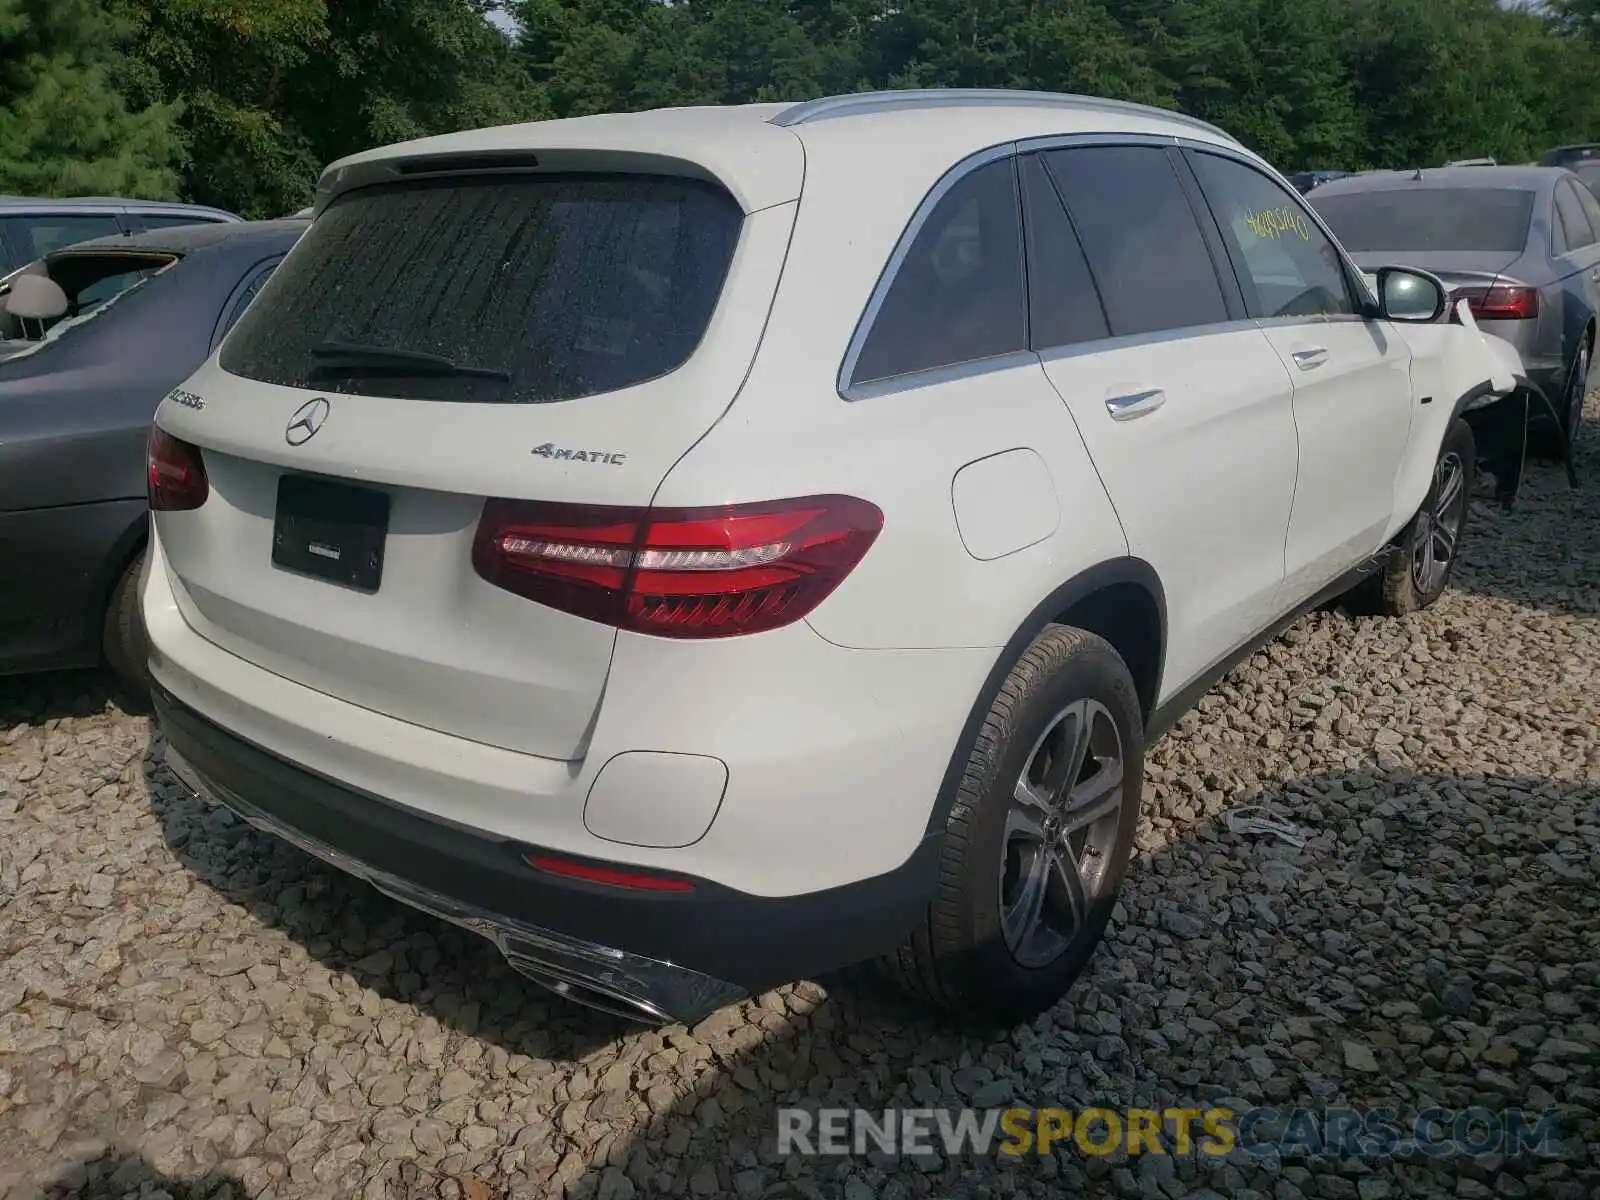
(331, 531)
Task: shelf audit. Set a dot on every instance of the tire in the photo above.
(968, 960)
(124, 643)
(1419, 570)
(1577, 391)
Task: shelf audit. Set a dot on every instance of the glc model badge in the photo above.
(307, 419)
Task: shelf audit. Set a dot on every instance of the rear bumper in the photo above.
(830, 759)
(667, 956)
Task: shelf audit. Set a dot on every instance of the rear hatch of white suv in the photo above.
(456, 335)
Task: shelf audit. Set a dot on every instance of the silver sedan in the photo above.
(1520, 244)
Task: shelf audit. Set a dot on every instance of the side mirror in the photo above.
(1406, 294)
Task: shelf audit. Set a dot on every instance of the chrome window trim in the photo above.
(1316, 319)
(1068, 141)
(849, 390)
(1131, 341)
(933, 376)
(845, 382)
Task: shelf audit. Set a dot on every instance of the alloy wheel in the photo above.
(1439, 525)
(1060, 832)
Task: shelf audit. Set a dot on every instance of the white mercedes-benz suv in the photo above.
(702, 548)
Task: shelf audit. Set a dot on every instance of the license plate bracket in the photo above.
(330, 531)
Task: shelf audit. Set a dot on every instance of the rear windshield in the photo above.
(513, 290)
(1429, 219)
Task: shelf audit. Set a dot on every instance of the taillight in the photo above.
(177, 475)
(1499, 303)
(681, 573)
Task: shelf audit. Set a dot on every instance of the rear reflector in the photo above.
(591, 873)
(176, 473)
(680, 573)
(1499, 303)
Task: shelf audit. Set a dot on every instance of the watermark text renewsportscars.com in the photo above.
(1014, 1132)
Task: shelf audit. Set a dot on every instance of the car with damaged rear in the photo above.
(92, 337)
(701, 548)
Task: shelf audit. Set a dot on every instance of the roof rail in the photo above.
(861, 103)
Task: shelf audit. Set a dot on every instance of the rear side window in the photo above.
(1575, 230)
(1589, 175)
(516, 290)
(958, 295)
(1422, 219)
(1139, 231)
(1591, 207)
(253, 283)
(33, 237)
(1063, 306)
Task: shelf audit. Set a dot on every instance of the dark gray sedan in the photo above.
(1520, 244)
(92, 337)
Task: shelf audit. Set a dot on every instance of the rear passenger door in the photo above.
(945, 374)
(1182, 402)
(1352, 375)
(1577, 246)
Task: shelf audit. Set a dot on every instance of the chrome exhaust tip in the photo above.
(586, 992)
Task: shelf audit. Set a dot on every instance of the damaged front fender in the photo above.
(1495, 397)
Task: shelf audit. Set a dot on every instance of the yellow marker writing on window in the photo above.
(1275, 222)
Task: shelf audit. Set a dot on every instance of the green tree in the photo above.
(1270, 72)
(65, 128)
(232, 63)
(1442, 79)
(273, 90)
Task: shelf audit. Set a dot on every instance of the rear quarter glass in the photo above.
(552, 287)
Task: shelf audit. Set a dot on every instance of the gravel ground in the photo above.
(190, 1008)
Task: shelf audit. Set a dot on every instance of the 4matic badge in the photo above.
(551, 450)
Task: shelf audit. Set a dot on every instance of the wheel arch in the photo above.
(1121, 600)
(1499, 425)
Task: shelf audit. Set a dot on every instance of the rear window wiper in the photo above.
(356, 356)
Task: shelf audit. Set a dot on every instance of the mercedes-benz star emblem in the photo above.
(307, 419)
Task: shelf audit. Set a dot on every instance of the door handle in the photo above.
(1595, 274)
(1307, 360)
(1135, 404)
